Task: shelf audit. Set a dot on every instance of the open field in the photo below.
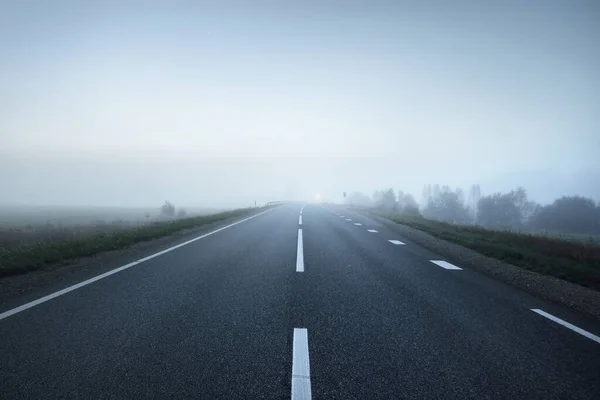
(26, 225)
(23, 216)
(28, 248)
(576, 261)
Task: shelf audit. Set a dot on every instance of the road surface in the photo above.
(301, 302)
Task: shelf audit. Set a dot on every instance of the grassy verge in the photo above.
(574, 261)
(26, 258)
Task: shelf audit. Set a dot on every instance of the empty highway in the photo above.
(301, 302)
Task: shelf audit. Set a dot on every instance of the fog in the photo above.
(223, 104)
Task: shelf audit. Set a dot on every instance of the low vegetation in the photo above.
(576, 216)
(575, 261)
(560, 239)
(55, 244)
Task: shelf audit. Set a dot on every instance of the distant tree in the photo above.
(407, 204)
(436, 191)
(167, 209)
(508, 210)
(473, 200)
(426, 195)
(519, 197)
(444, 204)
(460, 196)
(530, 209)
(385, 200)
(498, 211)
(569, 214)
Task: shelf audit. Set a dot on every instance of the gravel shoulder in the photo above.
(542, 286)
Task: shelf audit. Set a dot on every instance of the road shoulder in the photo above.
(19, 289)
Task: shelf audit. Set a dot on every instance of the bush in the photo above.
(167, 209)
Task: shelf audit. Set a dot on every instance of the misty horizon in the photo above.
(224, 105)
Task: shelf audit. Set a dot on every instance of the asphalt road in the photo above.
(252, 312)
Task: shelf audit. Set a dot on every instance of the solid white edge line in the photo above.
(395, 242)
(371, 230)
(445, 265)
(300, 220)
(300, 253)
(66, 290)
(300, 366)
(567, 325)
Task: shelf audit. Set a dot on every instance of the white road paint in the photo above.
(300, 366)
(348, 219)
(301, 210)
(371, 230)
(300, 220)
(54, 295)
(567, 325)
(395, 242)
(341, 216)
(300, 253)
(445, 264)
(357, 224)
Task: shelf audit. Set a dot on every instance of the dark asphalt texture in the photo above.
(215, 319)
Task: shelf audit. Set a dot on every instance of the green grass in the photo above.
(30, 257)
(574, 261)
(573, 237)
(15, 216)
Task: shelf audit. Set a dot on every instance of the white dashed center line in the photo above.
(357, 224)
(567, 325)
(395, 241)
(348, 219)
(300, 253)
(300, 366)
(445, 264)
(300, 220)
(371, 230)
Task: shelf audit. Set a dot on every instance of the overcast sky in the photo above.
(223, 103)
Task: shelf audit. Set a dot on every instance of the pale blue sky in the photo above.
(214, 103)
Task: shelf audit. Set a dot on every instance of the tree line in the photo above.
(512, 210)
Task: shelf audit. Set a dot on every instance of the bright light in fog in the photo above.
(317, 197)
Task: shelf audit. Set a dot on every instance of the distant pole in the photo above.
(254, 203)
